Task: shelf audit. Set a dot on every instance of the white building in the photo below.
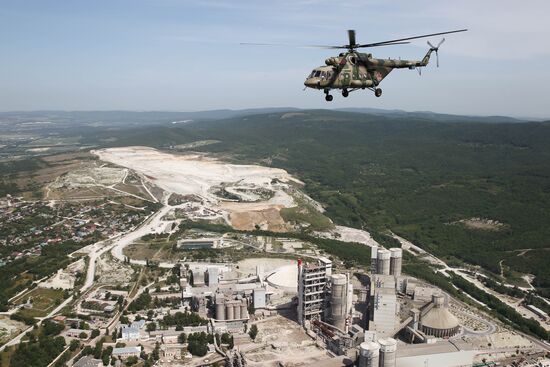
(259, 298)
(126, 352)
(212, 275)
(129, 333)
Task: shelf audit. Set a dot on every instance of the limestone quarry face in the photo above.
(250, 195)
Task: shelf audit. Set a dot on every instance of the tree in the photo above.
(253, 332)
(182, 338)
(155, 355)
(152, 326)
(83, 335)
(131, 360)
(95, 333)
(75, 343)
(226, 338)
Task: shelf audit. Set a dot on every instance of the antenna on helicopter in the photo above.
(436, 49)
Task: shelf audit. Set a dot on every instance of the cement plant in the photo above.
(214, 274)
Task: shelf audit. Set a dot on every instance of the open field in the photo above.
(42, 300)
(9, 328)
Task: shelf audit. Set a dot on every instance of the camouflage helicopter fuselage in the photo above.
(356, 70)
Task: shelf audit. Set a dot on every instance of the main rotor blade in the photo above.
(351, 36)
(385, 44)
(343, 47)
(409, 38)
(287, 45)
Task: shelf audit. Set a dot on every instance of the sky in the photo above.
(185, 55)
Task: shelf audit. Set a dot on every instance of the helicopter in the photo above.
(352, 70)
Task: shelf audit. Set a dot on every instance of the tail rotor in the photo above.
(436, 49)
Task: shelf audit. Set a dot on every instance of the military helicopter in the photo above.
(352, 70)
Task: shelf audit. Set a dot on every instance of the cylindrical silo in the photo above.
(388, 351)
(338, 300)
(237, 311)
(373, 260)
(229, 314)
(396, 261)
(368, 354)
(220, 311)
(384, 261)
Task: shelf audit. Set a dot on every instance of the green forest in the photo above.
(416, 177)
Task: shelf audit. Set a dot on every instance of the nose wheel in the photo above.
(345, 93)
(328, 97)
(378, 92)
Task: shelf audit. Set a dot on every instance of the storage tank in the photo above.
(373, 260)
(368, 354)
(388, 351)
(237, 311)
(396, 261)
(220, 311)
(229, 314)
(384, 261)
(439, 321)
(338, 300)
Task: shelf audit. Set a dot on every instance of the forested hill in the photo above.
(419, 177)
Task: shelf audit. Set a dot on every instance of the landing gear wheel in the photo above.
(345, 93)
(378, 92)
(328, 98)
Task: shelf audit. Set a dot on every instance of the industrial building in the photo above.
(383, 305)
(437, 320)
(386, 262)
(341, 294)
(259, 298)
(388, 352)
(212, 275)
(369, 354)
(313, 279)
(431, 321)
(230, 308)
(396, 261)
(199, 243)
(378, 354)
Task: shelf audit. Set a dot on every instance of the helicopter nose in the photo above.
(312, 82)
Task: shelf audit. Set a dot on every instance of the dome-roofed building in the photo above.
(439, 321)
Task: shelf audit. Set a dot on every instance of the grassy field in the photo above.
(43, 301)
(305, 214)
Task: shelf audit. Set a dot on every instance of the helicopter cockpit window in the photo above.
(317, 74)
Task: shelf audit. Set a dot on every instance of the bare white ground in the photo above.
(91, 175)
(347, 234)
(195, 174)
